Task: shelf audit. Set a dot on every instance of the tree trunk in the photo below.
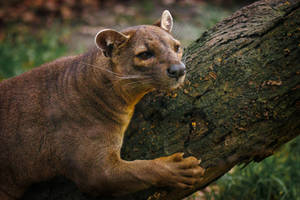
(241, 100)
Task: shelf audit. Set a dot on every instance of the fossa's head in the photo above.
(148, 54)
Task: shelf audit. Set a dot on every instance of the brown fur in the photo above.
(68, 118)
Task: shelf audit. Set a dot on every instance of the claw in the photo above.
(177, 157)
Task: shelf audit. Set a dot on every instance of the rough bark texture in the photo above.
(240, 103)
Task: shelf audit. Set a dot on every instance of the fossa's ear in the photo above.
(108, 39)
(166, 21)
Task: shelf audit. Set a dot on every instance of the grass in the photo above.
(22, 49)
(275, 178)
(212, 15)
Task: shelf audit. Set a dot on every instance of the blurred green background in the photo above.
(33, 32)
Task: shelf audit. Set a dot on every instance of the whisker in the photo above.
(101, 68)
(118, 75)
(140, 81)
(134, 77)
(131, 84)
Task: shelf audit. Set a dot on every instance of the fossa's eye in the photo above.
(177, 48)
(145, 55)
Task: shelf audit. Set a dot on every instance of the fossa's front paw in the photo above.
(177, 171)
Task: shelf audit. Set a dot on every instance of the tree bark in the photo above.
(241, 100)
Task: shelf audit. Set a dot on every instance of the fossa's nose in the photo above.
(176, 70)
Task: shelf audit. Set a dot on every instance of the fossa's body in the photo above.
(68, 117)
